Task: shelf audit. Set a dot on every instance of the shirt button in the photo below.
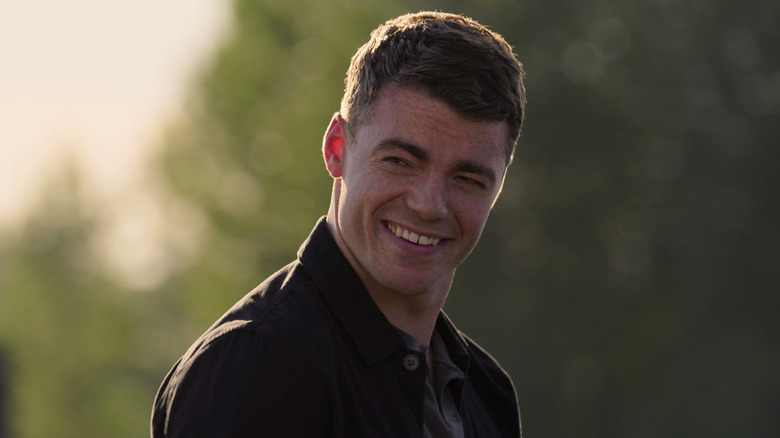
(411, 362)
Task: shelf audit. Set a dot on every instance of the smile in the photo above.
(412, 237)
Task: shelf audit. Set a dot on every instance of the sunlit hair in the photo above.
(453, 58)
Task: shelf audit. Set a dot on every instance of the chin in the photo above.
(412, 286)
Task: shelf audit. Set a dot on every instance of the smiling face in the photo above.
(413, 188)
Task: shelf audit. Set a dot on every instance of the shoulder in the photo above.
(279, 319)
(257, 362)
(238, 383)
(288, 305)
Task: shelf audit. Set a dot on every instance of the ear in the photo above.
(332, 145)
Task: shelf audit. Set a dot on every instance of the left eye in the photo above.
(468, 180)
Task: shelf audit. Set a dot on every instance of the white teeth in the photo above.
(413, 237)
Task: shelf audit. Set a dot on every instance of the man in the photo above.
(350, 340)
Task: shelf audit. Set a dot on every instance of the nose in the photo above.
(428, 199)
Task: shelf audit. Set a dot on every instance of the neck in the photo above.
(416, 315)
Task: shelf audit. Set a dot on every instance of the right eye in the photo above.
(396, 160)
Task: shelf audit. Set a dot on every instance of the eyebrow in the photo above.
(420, 153)
(477, 169)
(395, 143)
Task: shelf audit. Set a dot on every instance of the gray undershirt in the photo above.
(441, 418)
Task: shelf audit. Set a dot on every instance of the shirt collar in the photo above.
(454, 341)
(346, 296)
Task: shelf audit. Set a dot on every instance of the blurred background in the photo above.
(159, 159)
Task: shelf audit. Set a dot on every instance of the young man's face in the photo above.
(414, 187)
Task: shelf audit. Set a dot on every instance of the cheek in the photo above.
(358, 198)
(473, 218)
(371, 190)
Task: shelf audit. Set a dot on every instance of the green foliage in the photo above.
(70, 337)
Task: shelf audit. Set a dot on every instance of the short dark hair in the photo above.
(455, 59)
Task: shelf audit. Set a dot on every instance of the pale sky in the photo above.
(96, 77)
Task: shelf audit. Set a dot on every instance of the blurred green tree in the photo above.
(70, 337)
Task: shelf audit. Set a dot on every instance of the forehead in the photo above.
(412, 115)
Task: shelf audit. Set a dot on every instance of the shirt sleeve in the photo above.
(243, 384)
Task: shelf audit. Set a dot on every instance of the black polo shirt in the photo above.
(309, 354)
